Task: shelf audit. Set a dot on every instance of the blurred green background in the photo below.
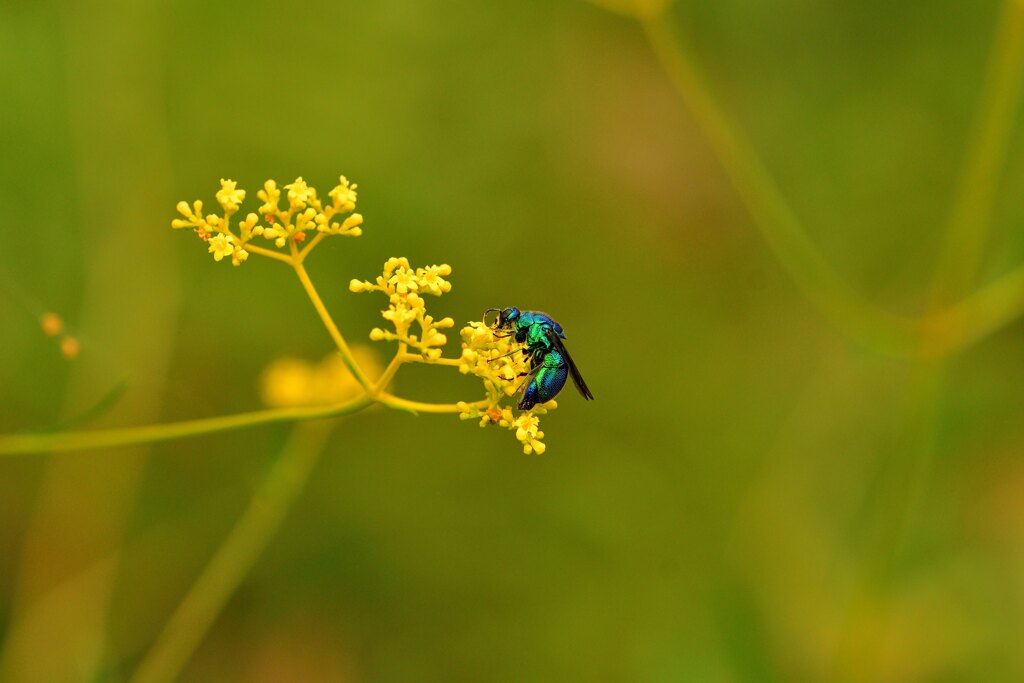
(752, 497)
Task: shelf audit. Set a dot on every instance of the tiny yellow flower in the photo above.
(270, 196)
(229, 197)
(299, 193)
(350, 226)
(392, 263)
(414, 300)
(404, 281)
(527, 431)
(190, 219)
(344, 195)
(221, 245)
(526, 426)
(431, 280)
(307, 219)
(250, 226)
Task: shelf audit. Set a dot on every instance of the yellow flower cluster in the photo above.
(404, 285)
(498, 361)
(303, 214)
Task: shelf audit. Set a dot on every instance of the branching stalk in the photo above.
(235, 557)
(332, 329)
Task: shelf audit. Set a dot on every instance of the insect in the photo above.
(550, 362)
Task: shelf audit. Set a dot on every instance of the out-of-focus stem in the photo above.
(970, 221)
(944, 330)
(974, 318)
(776, 220)
(237, 554)
(941, 331)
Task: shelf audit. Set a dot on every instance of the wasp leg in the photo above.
(529, 374)
(504, 355)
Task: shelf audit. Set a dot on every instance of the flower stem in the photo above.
(309, 247)
(390, 370)
(105, 438)
(417, 407)
(235, 557)
(415, 358)
(253, 249)
(332, 329)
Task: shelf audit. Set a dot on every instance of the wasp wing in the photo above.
(577, 378)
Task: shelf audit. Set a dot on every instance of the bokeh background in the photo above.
(753, 496)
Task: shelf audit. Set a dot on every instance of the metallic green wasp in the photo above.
(550, 362)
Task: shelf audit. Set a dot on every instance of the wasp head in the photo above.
(506, 317)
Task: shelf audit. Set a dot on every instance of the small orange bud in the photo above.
(69, 347)
(52, 324)
(299, 237)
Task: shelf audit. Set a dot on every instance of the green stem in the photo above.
(942, 332)
(236, 556)
(974, 318)
(971, 216)
(907, 478)
(105, 438)
(772, 215)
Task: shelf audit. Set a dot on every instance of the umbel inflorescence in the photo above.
(282, 226)
(292, 220)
